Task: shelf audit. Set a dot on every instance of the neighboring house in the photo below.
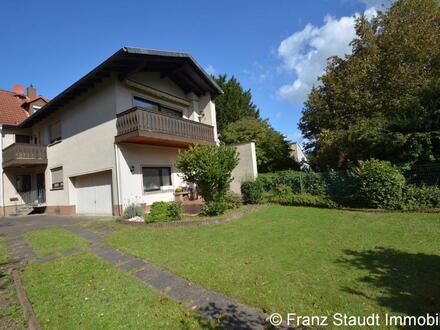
(16, 106)
(298, 155)
(111, 138)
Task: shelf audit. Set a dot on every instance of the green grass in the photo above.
(54, 241)
(84, 292)
(4, 255)
(228, 213)
(11, 314)
(305, 260)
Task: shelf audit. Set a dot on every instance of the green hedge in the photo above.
(299, 182)
(420, 198)
(303, 200)
(372, 184)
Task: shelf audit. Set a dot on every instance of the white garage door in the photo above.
(94, 193)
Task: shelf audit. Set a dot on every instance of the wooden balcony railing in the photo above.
(23, 154)
(143, 126)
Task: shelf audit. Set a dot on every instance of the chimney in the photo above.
(31, 92)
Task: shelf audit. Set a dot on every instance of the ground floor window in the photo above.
(155, 177)
(57, 178)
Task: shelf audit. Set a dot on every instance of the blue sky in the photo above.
(276, 48)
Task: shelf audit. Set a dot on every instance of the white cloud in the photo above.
(210, 69)
(305, 53)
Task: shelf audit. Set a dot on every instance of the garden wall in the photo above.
(247, 165)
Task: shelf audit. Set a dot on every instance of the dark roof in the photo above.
(179, 67)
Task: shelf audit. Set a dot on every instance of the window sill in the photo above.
(55, 189)
(161, 190)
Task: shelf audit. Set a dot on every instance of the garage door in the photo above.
(94, 193)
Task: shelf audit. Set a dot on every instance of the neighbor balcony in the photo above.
(24, 155)
(137, 125)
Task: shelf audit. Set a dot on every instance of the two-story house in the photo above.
(112, 137)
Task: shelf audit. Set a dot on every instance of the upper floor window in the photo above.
(148, 105)
(139, 102)
(55, 132)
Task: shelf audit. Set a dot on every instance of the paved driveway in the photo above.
(17, 225)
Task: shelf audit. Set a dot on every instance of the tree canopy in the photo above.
(272, 149)
(383, 100)
(234, 104)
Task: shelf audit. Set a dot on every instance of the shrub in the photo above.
(419, 198)
(282, 189)
(133, 210)
(163, 211)
(252, 192)
(232, 200)
(174, 211)
(378, 184)
(214, 208)
(300, 200)
(303, 200)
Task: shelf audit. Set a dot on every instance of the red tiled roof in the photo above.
(12, 110)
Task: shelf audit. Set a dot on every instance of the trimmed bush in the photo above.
(133, 210)
(420, 198)
(303, 200)
(378, 184)
(163, 211)
(232, 200)
(214, 208)
(252, 192)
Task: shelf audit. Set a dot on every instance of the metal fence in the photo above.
(425, 174)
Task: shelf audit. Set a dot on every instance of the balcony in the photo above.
(147, 127)
(24, 155)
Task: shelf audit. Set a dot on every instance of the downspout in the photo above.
(117, 179)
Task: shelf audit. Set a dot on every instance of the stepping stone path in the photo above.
(224, 310)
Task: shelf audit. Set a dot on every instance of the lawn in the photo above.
(54, 241)
(11, 314)
(4, 255)
(85, 292)
(305, 260)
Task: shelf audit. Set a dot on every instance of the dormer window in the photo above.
(35, 108)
